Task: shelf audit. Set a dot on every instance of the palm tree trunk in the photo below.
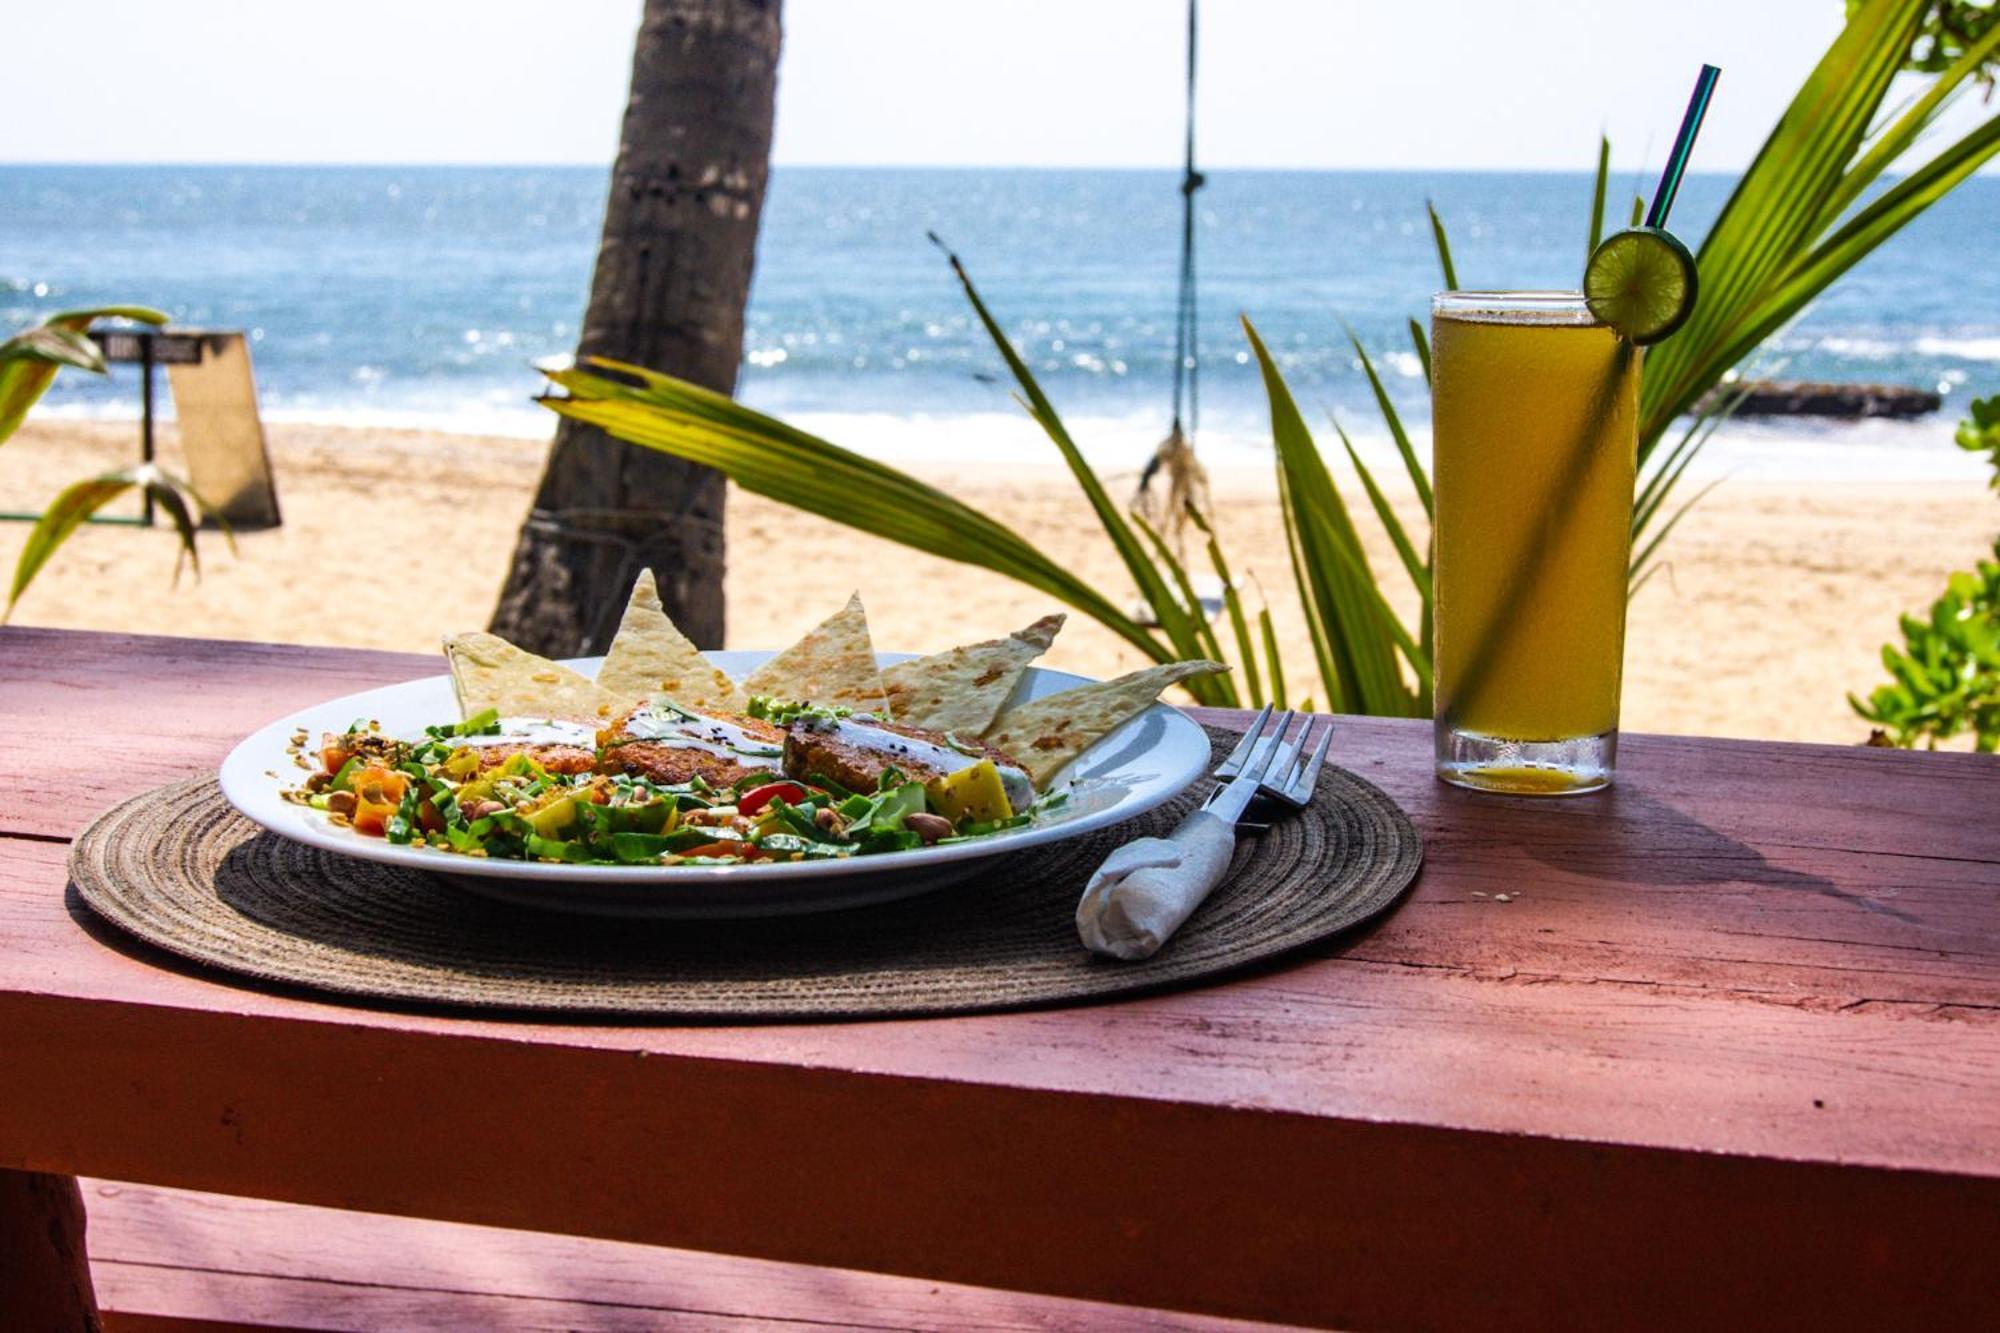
(673, 274)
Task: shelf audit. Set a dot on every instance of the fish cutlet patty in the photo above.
(670, 765)
(553, 758)
(671, 749)
(839, 754)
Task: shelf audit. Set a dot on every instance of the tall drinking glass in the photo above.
(1535, 410)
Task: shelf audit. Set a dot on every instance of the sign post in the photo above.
(148, 348)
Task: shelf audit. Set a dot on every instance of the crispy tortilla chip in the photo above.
(962, 689)
(833, 664)
(651, 656)
(489, 672)
(1044, 734)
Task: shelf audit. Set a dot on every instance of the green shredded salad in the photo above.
(469, 800)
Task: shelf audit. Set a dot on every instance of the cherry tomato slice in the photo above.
(750, 802)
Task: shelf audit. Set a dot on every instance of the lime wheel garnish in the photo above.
(1642, 283)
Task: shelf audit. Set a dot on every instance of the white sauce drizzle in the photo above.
(533, 731)
(693, 731)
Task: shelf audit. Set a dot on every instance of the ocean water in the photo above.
(421, 295)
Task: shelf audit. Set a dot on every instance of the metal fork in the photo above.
(1148, 887)
(1285, 772)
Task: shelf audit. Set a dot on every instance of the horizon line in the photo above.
(6, 164)
(1989, 170)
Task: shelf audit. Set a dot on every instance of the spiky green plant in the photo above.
(1793, 224)
(29, 362)
(770, 458)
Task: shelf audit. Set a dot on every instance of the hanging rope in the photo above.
(1187, 367)
(1187, 483)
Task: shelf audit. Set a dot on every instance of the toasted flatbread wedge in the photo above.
(833, 664)
(961, 689)
(489, 672)
(651, 656)
(1045, 734)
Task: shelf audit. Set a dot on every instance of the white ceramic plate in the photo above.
(1150, 759)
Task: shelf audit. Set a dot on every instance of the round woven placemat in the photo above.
(180, 869)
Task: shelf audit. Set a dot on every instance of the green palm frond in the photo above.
(1399, 537)
(1205, 642)
(1422, 346)
(29, 362)
(1419, 482)
(1181, 629)
(1308, 589)
(768, 457)
(764, 455)
(1443, 243)
(1778, 241)
(78, 501)
(1597, 195)
(1361, 634)
(30, 359)
(1232, 603)
(1807, 210)
(1274, 661)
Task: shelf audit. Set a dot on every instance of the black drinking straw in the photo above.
(1670, 179)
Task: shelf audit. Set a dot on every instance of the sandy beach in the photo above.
(1774, 602)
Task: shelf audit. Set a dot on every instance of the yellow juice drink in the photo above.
(1534, 436)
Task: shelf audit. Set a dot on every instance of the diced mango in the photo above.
(974, 793)
(461, 765)
(555, 818)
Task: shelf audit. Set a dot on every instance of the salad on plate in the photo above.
(664, 759)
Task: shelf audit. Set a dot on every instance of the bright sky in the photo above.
(1285, 83)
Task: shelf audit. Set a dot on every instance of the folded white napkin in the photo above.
(1147, 888)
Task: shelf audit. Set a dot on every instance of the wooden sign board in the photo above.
(222, 435)
(128, 346)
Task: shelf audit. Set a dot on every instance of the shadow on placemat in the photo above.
(180, 870)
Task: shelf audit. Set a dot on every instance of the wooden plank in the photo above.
(1287, 1216)
(216, 692)
(1708, 864)
(189, 1255)
(1467, 957)
(1336, 1033)
(44, 1271)
(1035, 1127)
(1744, 952)
(181, 703)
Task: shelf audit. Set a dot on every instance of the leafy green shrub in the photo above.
(1980, 433)
(1946, 676)
(1947, 673)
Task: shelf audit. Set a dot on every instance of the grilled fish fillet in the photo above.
(554, 758)
(673, 745)
(855, 755)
